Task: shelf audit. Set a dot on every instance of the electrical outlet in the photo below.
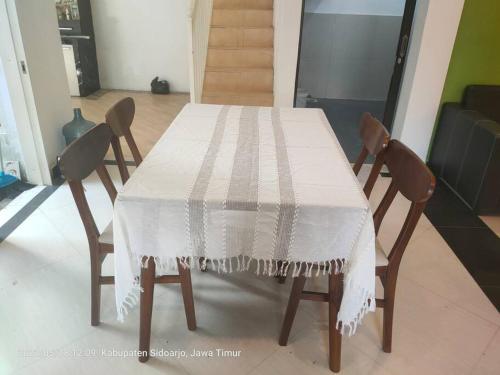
(12, 167)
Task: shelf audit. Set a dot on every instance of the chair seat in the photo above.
(106, 236)
(380, 257)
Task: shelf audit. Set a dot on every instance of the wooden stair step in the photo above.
(236, 69)
(242, 18)
(221, 37)
(236, 98)
(239, 80)
(252, 58)
(243, 4)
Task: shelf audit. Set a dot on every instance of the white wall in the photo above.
(370, 7)
(433, 36)
(287, 14)
(138, 40)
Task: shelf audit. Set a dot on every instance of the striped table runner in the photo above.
(247, 187)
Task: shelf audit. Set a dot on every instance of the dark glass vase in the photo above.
(76, 127)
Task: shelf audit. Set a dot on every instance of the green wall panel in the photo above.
(476, 54)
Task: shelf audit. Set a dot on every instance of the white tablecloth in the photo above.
(241, 185)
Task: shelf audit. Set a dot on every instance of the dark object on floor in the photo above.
(160, 87)
(472, 241)
(466, 150)
(76, 127)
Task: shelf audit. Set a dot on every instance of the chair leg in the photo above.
(389, 296)
(95, 291)
(146, 309)
(335, 290)
(187, 295)
(291, 310)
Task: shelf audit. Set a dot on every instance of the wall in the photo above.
(348, 56)
(138, 40)
(371, 7)
(476, 54)
(431, 44)
(287, 14)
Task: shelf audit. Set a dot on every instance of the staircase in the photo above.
(239, 64)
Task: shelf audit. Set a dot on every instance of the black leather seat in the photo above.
(466, 150)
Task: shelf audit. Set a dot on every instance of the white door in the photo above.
(14, 107)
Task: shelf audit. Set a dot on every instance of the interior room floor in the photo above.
(475, 241)
(153, 115)
(444, 324)
(344, 115)
(11, 192)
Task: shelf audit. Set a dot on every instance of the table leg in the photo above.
(187, 295)
(146, 309)
(335, 290)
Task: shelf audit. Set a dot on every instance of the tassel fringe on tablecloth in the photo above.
(266, 267)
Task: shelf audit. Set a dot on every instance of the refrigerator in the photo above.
(79, 50)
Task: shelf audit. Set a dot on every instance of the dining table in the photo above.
(240, 187)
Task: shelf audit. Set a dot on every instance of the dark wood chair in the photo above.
(375, 138)
(411, 178)
(82, 157)
(120, 117)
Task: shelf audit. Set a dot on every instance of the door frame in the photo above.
(298, 53)
(397, 76)
(32, 151)
(402, 50)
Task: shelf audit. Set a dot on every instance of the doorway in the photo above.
(351, 60)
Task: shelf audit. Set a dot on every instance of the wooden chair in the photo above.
(411, 178)
(120, 117)
(375, 138)
(77, 162)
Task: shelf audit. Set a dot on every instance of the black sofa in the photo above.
(466, 149)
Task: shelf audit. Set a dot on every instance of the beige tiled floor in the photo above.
(444, 324)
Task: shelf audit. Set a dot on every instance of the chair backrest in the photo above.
(77, 161)
(411, 178)
(375, 138)
(120, 117)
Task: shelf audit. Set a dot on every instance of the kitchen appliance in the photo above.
(77, 35)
